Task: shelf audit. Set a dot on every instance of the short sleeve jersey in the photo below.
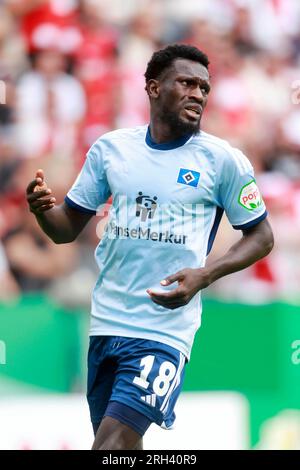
(167, 203)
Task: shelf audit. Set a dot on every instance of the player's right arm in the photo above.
(61, 223)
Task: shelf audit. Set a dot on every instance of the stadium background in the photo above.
(72, 70)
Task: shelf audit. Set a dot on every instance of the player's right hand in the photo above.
(39, 195)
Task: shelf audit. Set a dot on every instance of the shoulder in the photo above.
(106, 144)
(122, 135)
(225, 154)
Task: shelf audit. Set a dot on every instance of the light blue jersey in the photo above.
(168, 200)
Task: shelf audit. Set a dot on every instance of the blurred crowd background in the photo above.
(71, 70)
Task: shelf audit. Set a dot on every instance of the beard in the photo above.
(179, 126)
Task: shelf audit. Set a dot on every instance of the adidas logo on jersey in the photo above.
(149, 399)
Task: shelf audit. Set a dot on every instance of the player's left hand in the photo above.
(190, 281)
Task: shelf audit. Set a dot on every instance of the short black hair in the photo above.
(164, 58)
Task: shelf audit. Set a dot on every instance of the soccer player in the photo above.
(170, 183)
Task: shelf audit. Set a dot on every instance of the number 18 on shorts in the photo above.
(142, 374)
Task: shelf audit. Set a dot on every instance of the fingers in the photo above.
(179, 276)
(171, 300)
(173, 278)
(32, 185)
(37, 184)
(42, 204)
(43, 208)
(38, 194)
(45, 201)
(41, 184)
(166, 296)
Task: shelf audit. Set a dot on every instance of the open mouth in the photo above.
(193, 112)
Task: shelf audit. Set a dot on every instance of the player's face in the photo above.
(183, 92)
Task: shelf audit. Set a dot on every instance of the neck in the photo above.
(162, 132)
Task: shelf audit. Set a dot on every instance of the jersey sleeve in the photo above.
(91, 188)
(238, 193)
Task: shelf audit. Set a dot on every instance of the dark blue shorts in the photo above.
(135, 378)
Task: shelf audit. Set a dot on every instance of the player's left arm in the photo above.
(256, 243)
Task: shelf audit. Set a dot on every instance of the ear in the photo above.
(152, 88)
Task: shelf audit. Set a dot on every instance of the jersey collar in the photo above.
(166, 145)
